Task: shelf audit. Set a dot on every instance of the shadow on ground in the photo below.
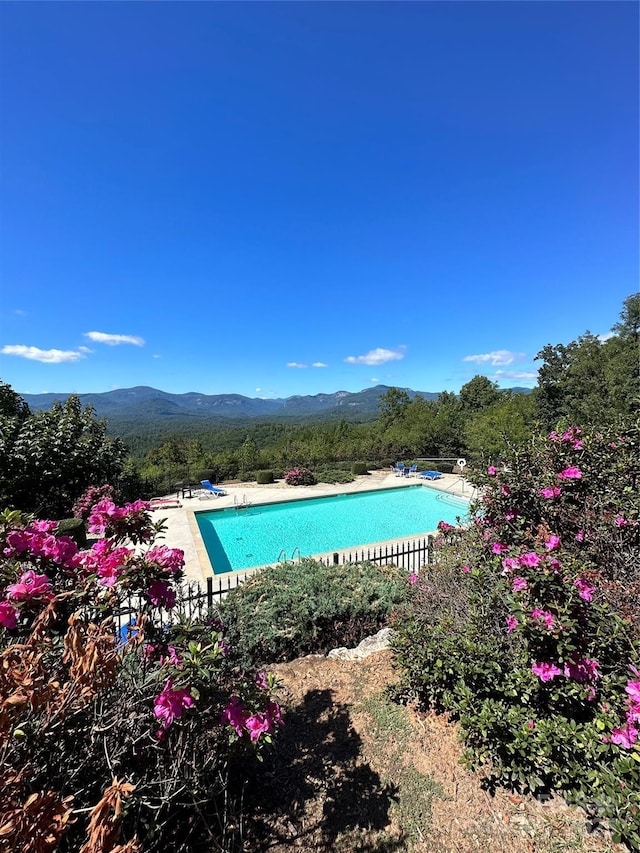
(315, 790)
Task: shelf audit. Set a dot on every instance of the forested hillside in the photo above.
(587, 381)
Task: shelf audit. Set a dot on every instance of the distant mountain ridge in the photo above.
(143, 402)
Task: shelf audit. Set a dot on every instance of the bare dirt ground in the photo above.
(352, 771)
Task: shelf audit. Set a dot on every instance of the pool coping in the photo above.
(207, 570)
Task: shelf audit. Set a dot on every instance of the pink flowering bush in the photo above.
(541, 625)
(89, 712)
(300, 477)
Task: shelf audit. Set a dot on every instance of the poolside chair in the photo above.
(413, 471)
(165, 503)
(214, 490)
(399, 469)
(430, 475)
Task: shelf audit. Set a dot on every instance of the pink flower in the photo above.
(509, 565)
(582, 670)
(235, 715)
(413, 578)
(510, 515)
(584, 590)
(570, 474)
(578, 444)
(43, 526)
(465, 569)
(257, 725)
(620, 521)
(625, 736)
(30, 586)
(512, 624)
(171, 559)
(173, 657)
(161, 594)
(519, 584)
(261, 680)
(148, 651)
(552, 543)
(633, 689)
(499, 548)
(580, 536)
(444, 526)
(8, 615)
(170, 704)
(274, 712)
(506, 491)
(550, 492)
(545, 671)
(543, 616)
(554, 436)
(530, 559)
(492, 470)
(531, 724)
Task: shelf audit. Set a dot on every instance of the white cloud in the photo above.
(258, 390)
(375, 379)
(156, 356)
(84, 349)
(603, 338)
(319, 364)
(497, 358)
(296, 364)
(114, 340)
(515, 374)
(375, 356)
(46, 356)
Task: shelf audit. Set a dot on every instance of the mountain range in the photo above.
(145, 402)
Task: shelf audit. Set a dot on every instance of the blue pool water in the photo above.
(257, 536)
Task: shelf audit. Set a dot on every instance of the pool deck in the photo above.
(182, 529)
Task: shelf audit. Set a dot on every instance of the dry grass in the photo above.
(353, 772)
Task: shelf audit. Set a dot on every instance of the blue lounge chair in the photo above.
(213, 489)
(430, 475)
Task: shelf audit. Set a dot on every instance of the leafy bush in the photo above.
(74, 528)
(333, 475)
(113, 740)
(359, 468)
(295, 609)
(526, 629)
(300, 477)
(263, 478)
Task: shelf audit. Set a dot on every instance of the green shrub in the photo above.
(299, 608)
(263, 478)
(75, 529)
(334, 475)
(359, 468)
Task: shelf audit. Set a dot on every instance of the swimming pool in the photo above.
(262, 534)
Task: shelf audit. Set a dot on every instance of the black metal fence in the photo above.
(194, 600)
(411, 556)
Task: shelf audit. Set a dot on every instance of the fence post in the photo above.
(336, 557)
(209, 593)
(429, 549)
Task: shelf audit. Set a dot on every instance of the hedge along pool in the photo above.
(259, 534)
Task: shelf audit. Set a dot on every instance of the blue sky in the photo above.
(293, 198)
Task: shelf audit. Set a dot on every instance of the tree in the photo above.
(479, 393)
(49, 458)
(502, 427)
(392, 404)
(588, 381)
